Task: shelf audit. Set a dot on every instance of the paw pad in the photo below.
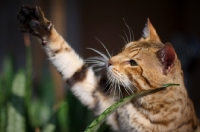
(32, 20)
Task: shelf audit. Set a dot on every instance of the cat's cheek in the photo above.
(127, 82)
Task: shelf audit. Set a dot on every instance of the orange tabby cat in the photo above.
(141, 65)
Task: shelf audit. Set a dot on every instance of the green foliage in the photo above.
(16, 118)
(23, 110)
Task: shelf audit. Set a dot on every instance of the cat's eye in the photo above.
(133, 63)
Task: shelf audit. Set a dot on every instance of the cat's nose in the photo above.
(110, 63)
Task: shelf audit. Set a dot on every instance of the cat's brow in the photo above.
(133, 55)
(134, 52)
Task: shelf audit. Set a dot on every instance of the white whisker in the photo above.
(109, 88)
(131, 34)
(133, 84)
(98, 69)
(125, 88)
(120, 92)
(104, 56)
(123, 39)
(104, 47)
(100, 58)
(111, 83)
(108, 82)
(126, 36)
(114, 90)
(129, 88)
(98, 64)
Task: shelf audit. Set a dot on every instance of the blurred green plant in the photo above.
(22, 110)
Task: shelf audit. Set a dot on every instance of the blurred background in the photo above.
(47, 100)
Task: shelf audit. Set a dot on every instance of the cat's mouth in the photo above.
(118, 91)
(118, 84)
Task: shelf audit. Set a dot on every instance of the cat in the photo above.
(141, 65)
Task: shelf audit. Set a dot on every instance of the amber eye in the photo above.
(133, 63)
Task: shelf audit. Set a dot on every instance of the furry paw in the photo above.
(32, 20)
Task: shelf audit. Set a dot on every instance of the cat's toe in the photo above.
(32, 20)
(20, 17)
(26, 10)
(39, 14)
(33, 24)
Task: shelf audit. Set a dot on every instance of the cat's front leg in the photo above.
(74, 71)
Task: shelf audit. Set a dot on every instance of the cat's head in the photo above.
(143, 64)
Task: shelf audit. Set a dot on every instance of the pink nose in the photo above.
(110, 63)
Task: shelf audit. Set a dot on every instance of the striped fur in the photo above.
(142, 65)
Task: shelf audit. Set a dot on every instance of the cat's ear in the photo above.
(167, 57)
(149, 32)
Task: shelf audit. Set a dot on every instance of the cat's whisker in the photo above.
(104, 56)
(111, 86)
(133, 85)
(131, 39)
(96, 62)
(131, 34)
(97, 70)
(104, 47)
(93, 61)
(120, 92)
(129, 88)
(98, 65)
(108, 82)
(100, 58)
(127, 91)
(94, 65)
(124, 39)
(117, 87)
(125, 88)
(114, 90)
(126, 36)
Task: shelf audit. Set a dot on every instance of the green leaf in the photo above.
(3, 91)
(6, 79)
(39, 113)
(62, 117)
(49, 128)
(8, 68)
(93, 127)
(3, 119)
(50, 125)
(16, 116)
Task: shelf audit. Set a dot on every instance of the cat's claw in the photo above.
(32, 20)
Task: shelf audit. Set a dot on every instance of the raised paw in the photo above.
(32, 20)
